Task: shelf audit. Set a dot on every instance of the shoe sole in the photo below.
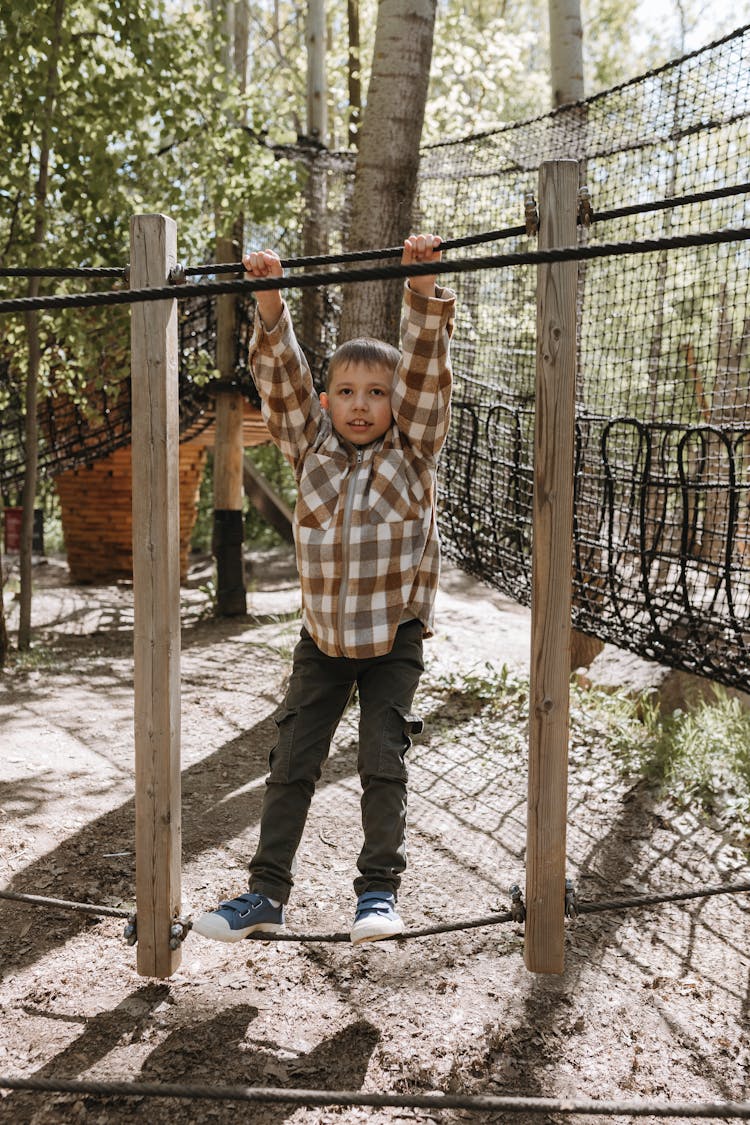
(217, 930)
(371, 933)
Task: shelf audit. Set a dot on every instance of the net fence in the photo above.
(662, 464)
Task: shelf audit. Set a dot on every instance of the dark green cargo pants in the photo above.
(319, 690)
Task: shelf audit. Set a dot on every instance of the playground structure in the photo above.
(657, 478)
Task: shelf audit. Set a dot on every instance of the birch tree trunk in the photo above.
(566, 51)
(315, 233)
(388, 159)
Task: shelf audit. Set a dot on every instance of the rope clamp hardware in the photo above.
(178, 931)
(177, 275)
(517, 907)
(531, 214)
(585, 209)
(126, 276)
(571, 900)
(130, 933)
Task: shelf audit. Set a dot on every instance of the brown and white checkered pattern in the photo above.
(356, 593)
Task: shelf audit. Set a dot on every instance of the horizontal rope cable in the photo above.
(638, 901)
(488, 1103)
(359, 255)
(63, 271)
(383, 253)
(668, 204)
(653, 900)
(497, 919)
(63, 904)
(380, 273)
(475, 239)
(425, 931)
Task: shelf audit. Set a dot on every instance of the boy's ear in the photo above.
(324, 400)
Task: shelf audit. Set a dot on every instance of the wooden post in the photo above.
(228, 536)
(156, 586)
(551, 573)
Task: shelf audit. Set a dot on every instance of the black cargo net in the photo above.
(662, 496)
(84, 419)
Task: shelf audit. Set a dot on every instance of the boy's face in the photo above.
(359, 402)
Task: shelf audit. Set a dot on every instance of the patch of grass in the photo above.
(703, 755)
(38, 658)
(482, 686)
(698, 757)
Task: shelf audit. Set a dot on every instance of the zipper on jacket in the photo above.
(351, 492)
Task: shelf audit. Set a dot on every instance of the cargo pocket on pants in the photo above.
(279, 759)
(397, 732)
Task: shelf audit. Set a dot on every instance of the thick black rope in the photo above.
(217, 268)
(668, 204)
(359, 255)
(488, 1103)
(477, 239)
(63, 904)
(635, 902)
(64, 271)
(497, 919)
(381, 273)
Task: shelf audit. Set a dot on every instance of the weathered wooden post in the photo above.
(549, 703)
(228, 530)
(156, 586)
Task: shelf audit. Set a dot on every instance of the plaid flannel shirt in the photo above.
(364, 523)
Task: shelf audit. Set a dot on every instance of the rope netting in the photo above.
(662, 507)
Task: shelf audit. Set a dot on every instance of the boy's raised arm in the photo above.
(265, 263)
(422, 387)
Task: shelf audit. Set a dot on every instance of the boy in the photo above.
(364, 455)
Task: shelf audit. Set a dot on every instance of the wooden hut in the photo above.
(96, 503)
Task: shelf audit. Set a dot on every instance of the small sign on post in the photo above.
(549, 704)
(156, 587)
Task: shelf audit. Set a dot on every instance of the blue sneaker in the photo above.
(376, 917)
(234, 920)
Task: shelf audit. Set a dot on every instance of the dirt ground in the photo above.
(653, 1003)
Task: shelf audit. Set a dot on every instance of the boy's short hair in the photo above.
(366, 350)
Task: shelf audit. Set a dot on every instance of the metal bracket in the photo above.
(531, 214)
(571, 900)
(130, 933)
(517, 908)
(178, 931)
(585, 209)
(177, 275)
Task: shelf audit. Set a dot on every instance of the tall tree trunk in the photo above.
(388, 160)
(354, 74)
(315, 240)
(566, 51)
(31, 429)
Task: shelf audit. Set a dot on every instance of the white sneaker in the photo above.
(376, 917)
(234, 920)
